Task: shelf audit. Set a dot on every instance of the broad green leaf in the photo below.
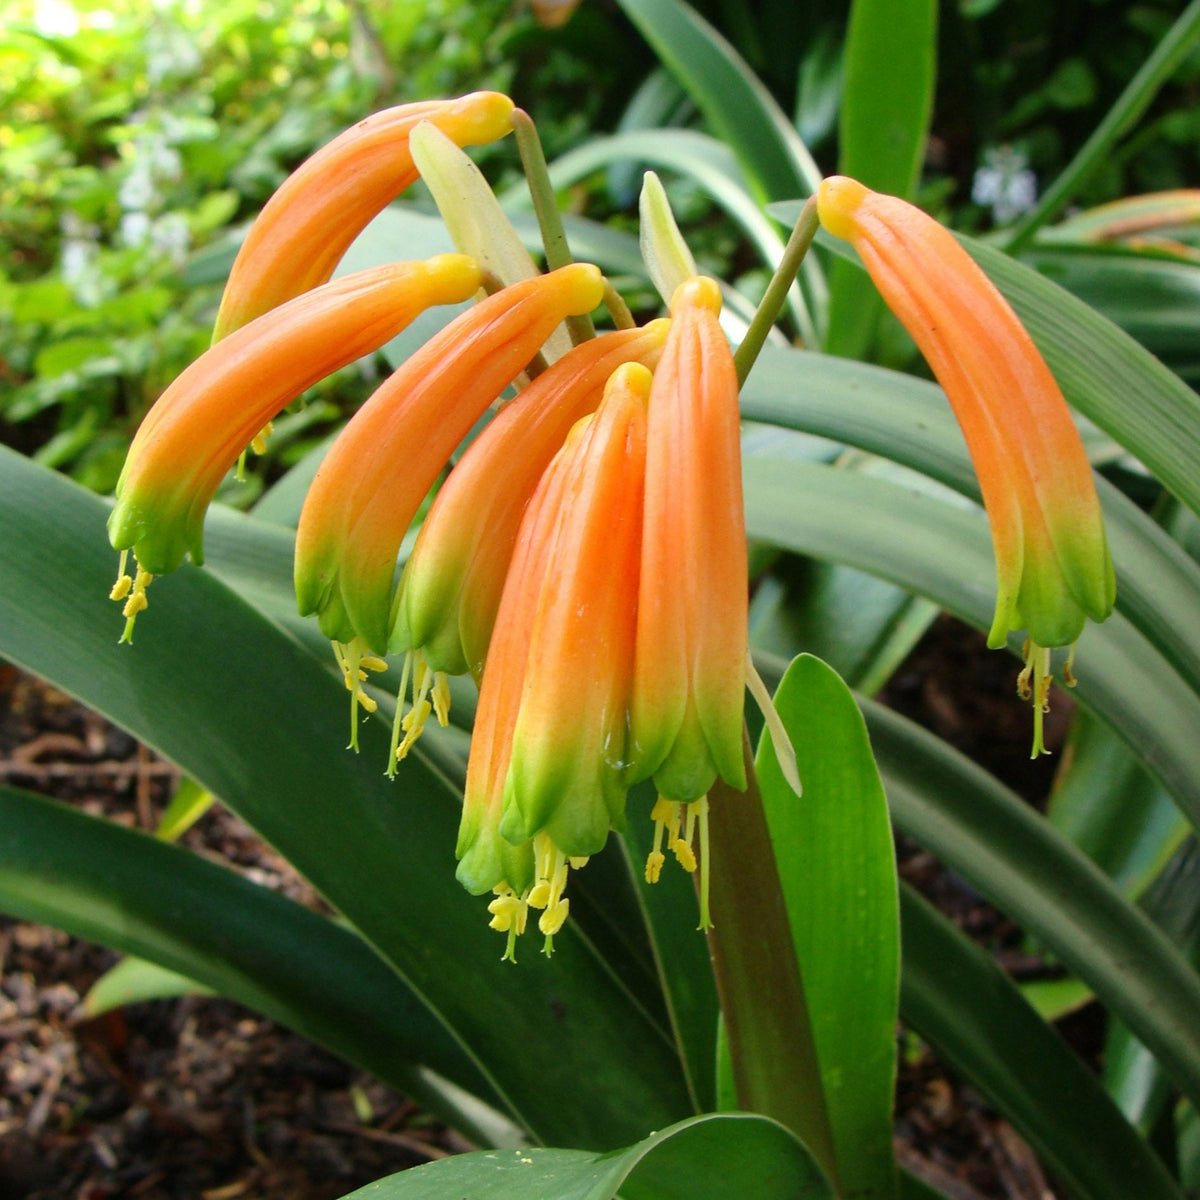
(253, 717)
(890, 64)
(960, 1002)
(1006, 851)
(134, 980)
(864, 628)
(705, 1158)
(1111, 809)
(833, 847)
(1135, 1079)
(1155, 298)
(670, 910)
(127, 890)
(738, 108)
(942, 552)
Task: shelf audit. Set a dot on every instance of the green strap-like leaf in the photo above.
(738, 108)
(253, 717)
(960, 1002)
(705, 1158)
(130, 891)
(1025, 867)
(833, 847)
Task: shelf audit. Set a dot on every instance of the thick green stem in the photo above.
(1130, 105)
(554, 238)
(770, 1038)
(776, 294)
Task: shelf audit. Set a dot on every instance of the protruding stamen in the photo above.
(509, 914)
(120, 589)
(1037, 664)
(705, 920)
(1068, 671)
(355, 660)
(133, 592)
(669, 817)
(424, 681)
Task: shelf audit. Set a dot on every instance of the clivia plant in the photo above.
(544, 656)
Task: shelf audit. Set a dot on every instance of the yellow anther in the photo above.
(259, 442)
(553, 919)
(133, 592)
(441, 697)
(684, 855)
(654, 865)
(136, 603)
(1068, 670)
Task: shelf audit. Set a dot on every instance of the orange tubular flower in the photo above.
(309, 223)
(205, 419)
(1052, 560)
(452, 582)
(384, 462)
(689, 682)
(548, 770)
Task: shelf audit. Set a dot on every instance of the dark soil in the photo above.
(199, 1099)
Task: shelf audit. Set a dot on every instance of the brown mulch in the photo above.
(199, 1099)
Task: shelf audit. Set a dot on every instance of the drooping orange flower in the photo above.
(451, 586)
(547, 779)
(201, 424)
(308, 224)
(368, 489)
(1053, 564)
(689, 683)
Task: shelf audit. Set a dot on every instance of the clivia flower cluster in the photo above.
(585, 559)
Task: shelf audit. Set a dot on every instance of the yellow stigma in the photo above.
(430, 694)
(355, 660)
(133, 591)
(678, 824)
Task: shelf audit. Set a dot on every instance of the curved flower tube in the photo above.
(201, 424)
(689, 680)
(451, 586)
(367, 491)
(1053, 565)
(549, 769)
(308, 224)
